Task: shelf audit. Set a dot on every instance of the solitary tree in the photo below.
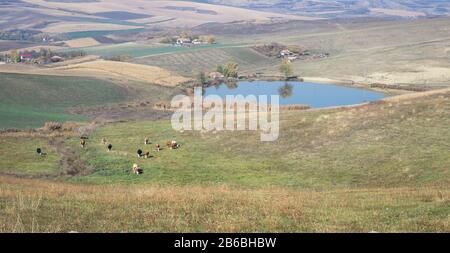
(211, 39)
(231, 70)
(286, 69)
(184, 35)
(14, 56)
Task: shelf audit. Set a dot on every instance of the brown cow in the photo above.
(136, 169)
(172, 144)
(83, 143)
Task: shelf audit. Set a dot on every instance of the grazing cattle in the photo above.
(147, 155)
(136, 169)
(146, 141)
(173, 144)
(109, 147)
(39, 152)
(83, 143)
(104, 141)
(139, 153)
(158, 147)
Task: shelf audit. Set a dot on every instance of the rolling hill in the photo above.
(28, 101)
(104, 15)
(345, 8)
(377, 167)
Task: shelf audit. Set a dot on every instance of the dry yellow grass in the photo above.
(105, 70)
(399, 13)
(132, 71)
(416, 95)
(43, 206)
(420, 75)
(82, 26)
(83, 42)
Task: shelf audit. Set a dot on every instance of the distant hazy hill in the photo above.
(61, 16)
(346, 8)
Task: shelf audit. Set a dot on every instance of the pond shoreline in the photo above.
(341, 82)
(296, 93)
(394, 91)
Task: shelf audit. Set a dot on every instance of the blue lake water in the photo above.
(312, 94)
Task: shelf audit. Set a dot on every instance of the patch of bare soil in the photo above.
(71, 163)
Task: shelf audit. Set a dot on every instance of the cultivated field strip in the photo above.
(207, 60)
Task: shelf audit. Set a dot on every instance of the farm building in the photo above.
(288, 55)
(197, 42)
(26, 57)
(285, 52)
(182, 41)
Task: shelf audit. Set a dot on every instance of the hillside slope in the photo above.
(378, 167)
(345, 8)
(28, 101)
(383, 144)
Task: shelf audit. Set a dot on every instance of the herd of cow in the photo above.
(135, 169)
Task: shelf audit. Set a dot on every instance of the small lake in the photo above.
(312, 94)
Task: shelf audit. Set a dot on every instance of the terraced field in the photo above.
(185, 63)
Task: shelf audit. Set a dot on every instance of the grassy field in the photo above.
(185, 63)
(411, 53)
(43, 206)
(29, 101)
(87, 34)
(378, 167)
(143, 50)
(387, 145)
(30, 163)
(83, 42)
(22, 117)
(383, 166)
